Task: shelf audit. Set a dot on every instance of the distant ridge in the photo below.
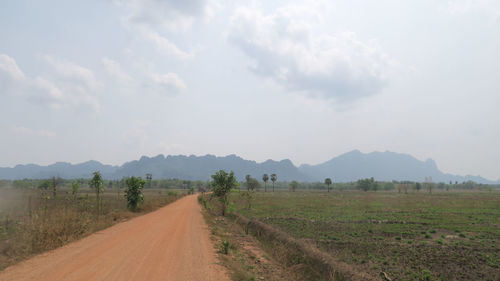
(351, 166)
(201, 167)
(383, 166)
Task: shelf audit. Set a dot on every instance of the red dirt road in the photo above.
(171, 243)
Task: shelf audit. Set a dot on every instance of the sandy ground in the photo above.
(171, 243)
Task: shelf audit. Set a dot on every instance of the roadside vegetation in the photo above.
(238, 251)
(40, 215)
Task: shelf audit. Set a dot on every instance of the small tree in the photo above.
(247, 179)
(294, 185)
(202, 189)
(97, 184)
(247, 196)
(429, 183)
(273, 179)
(265, 178)
(55, 183)
(418, 186)
(253, 184)
(328, 181)
(222, 183)
(75, 187)
(44, 186)
(133, 193)
(364, 184)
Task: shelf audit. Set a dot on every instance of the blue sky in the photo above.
(304, 80)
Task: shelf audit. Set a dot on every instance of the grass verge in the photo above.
(252, 250)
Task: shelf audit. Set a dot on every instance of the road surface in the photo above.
(171, 243)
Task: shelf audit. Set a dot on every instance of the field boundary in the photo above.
(321, 263)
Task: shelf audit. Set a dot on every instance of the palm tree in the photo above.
(247, 178)
(265, 178)
(328, 181)
(149, 177)
(273, 179)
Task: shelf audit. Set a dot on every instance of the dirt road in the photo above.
(171, 243)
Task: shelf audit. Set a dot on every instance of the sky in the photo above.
(300, 80)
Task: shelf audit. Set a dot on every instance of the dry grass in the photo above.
(31, 223)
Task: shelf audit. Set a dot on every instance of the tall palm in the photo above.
(273, 179)
(247, 178)
(328, 181)
(265, 178)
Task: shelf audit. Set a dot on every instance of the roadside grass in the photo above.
(31, 222)
(245, 258)
(418, 236)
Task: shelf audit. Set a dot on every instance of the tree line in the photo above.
(50, 185)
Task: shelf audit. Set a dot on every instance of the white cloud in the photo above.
(9, 66)
(150, 19)
(46, 92)
(69, 85)
(46, 133)
(164, 45)
(458, 7)
(115, 70)
(171, 15)
(57, 95)
(65, 84)
(169, 83)
(489, 9)
(73, 72)
(25, 131)
(286, 47)
(142, 77)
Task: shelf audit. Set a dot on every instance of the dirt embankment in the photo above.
(171, 243)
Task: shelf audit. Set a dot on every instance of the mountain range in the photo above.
(351, 166)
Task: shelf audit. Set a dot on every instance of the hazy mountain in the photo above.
(59, 169)
(350, 166)
(181, 167)
(383, 166)
(201, 167)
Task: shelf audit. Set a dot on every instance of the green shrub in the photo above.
(224, 247)
(426, 275)
(202, 200)
(134, 192)
(172, 193)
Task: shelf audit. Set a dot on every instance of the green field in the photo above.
(418, 236)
